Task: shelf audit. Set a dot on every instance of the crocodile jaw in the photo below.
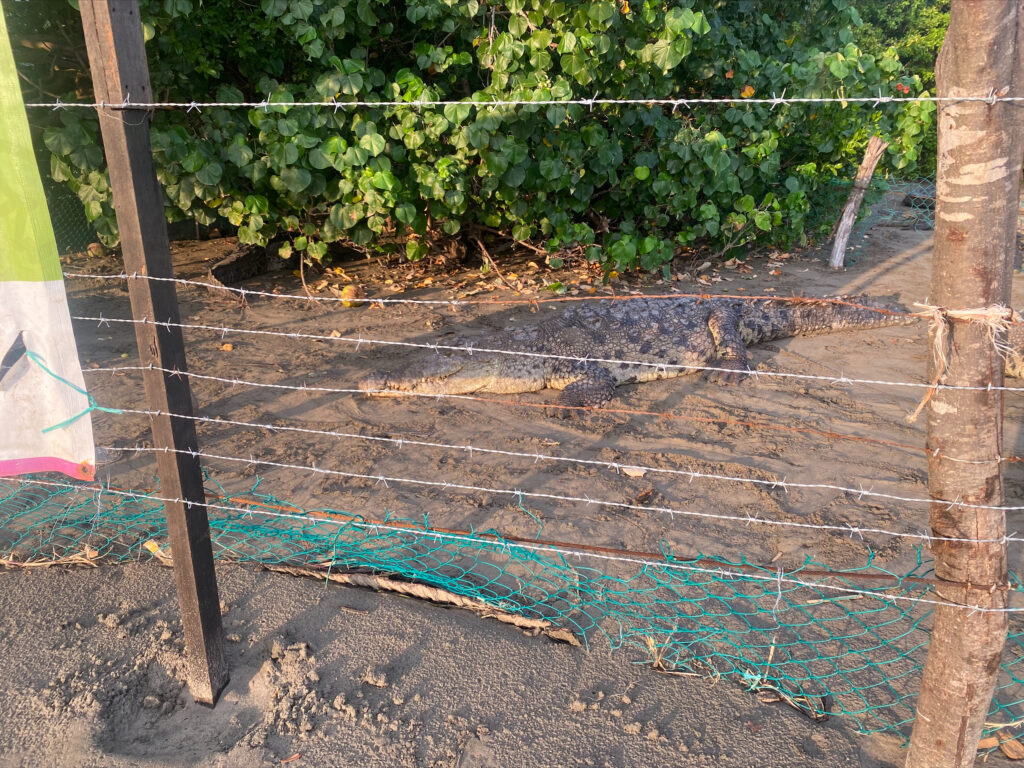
(435, 376)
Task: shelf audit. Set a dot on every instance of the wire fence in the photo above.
(847, 642)
(827, 642)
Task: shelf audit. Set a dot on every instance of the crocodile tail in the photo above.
(801, 317)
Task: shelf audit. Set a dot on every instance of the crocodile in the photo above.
(591, 348)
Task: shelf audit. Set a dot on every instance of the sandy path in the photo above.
(91, 677)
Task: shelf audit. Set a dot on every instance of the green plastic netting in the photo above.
(841, 645)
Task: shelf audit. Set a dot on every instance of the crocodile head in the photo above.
(436, 375)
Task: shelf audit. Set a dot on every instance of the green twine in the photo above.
(93, 405)
(536, 519)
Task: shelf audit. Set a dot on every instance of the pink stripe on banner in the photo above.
(80, 471)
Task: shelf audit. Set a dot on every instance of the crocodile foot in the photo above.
(730, 371)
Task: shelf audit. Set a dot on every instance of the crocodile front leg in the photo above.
(593, 387)
(731, 352)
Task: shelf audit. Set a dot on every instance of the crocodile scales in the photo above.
(597, 346)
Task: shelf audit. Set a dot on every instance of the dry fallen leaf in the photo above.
(335, 334)
(634, 471)
(562, 635)
(644, 496)
(227, 346)
(163, 554)
(1009, 745)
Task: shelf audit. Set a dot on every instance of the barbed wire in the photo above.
(455, 302)
(565, 550)
(784, 484)
(660, 415)
(521, 494)
(595, 101)
(471, 350)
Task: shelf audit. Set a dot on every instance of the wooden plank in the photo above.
(844, 226)
(117, 58)
(979, 171)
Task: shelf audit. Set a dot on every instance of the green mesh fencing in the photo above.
(894, 202)
(71, 228)
(907, 202)
(825, 652)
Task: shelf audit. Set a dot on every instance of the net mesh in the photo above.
(818, 648)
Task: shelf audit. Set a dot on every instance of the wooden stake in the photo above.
(872, 155)
(117, 59)
(979, 170)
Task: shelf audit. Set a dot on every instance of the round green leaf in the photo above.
(384, 180)
(296, 179)
(193, 161)
(373, 143)
(210, 174)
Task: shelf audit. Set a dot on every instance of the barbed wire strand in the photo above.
(660, 415)
(471, 350)
(576, 551)
(843, 301)
(455, 302)
(520, 494)
(492, 535)
(675, 103)
(618, 467)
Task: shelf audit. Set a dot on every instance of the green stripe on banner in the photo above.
(28, 250)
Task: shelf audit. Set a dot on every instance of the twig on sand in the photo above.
(434, 594)
(491, 264)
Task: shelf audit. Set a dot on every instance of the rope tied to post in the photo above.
(997, 320)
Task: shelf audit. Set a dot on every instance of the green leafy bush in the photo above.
(632, 184)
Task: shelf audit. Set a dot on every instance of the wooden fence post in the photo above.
(117, 60)
(979, 173)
